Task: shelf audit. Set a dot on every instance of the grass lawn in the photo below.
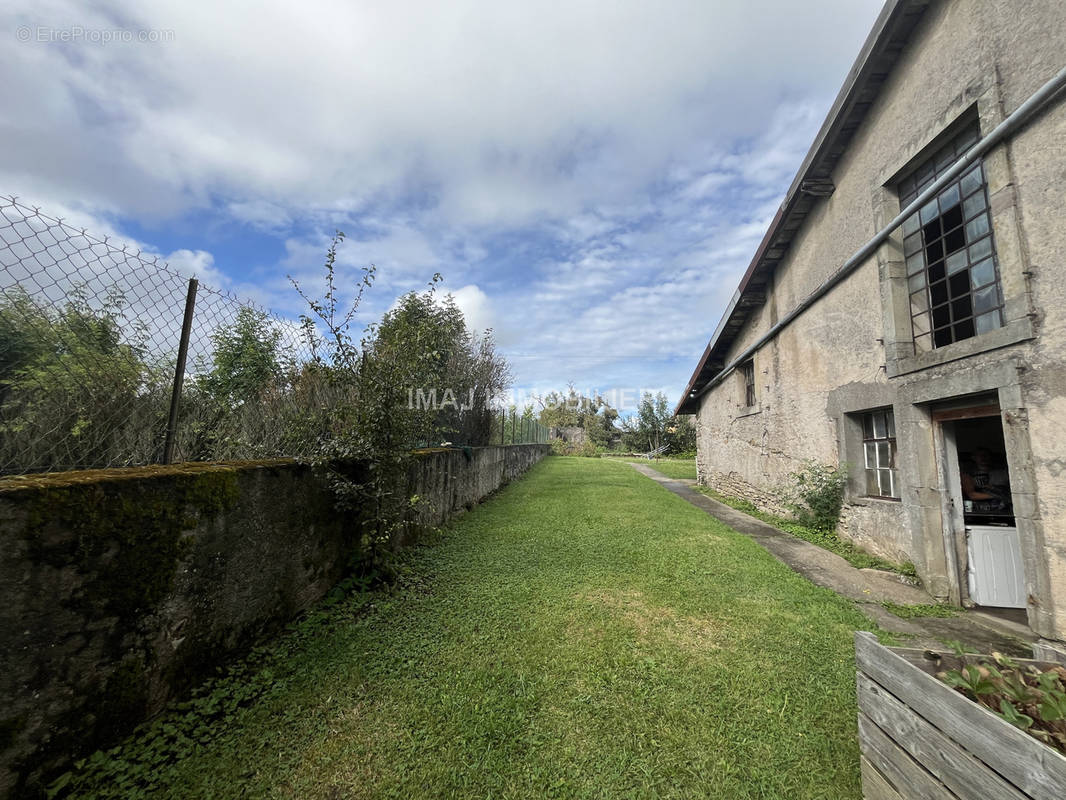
(584, 633)
(675, 467)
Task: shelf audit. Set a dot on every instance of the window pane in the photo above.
(871, 454)
(988, 322)
(977, 227)
(983, 273)
(934, 251)
(967, 139)
(890, 418)
(985, 299)
(959, 285)
(916, 281)
(925, 173)
(929, 212)
(921, 324)
(961, 308)
(912, 244)
(884, 456)
(919, 303)
(955, 262)
(867, 426)
(923, 344)
(945, 158)
(949, 198)
(981, 249)
(972, 180)
(973, 204)
(871, 483)
(963, 330)
(916, 263)
(941, 317)
(954, 239)
(885, 480)
(879, 425)
(910, 224)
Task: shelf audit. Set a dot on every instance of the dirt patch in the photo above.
(652, 622)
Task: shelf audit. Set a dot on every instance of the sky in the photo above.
(590, 178)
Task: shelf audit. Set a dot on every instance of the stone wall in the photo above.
(735, 485)
(122, 589)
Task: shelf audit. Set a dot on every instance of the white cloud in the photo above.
(476, 307)
(632, 151)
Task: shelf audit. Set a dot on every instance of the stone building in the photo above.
(905, 313)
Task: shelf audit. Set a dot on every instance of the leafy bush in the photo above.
(816, 494)
(559, 447)
(586, 449)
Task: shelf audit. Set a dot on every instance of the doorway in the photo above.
(980, 512)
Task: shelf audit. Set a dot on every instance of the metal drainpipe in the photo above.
(1017, 118)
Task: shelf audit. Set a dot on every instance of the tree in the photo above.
(681, 434)
(76, 389)
(653, 426)
(593, 415)
(422, 343)
(245, 359)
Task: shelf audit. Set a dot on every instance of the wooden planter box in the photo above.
(922, 740)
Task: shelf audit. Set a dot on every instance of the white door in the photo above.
(996, 576)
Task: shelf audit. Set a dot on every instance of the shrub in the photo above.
(816, 494)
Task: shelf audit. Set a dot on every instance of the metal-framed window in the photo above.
(879, 451)
(747, 374)
(952, 274)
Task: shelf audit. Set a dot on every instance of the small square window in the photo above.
(879, 453)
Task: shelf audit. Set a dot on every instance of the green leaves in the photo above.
(817, 494)
(1027, 697)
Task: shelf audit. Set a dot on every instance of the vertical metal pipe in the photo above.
(179, 371)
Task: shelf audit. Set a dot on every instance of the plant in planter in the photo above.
(921, 738)
(1028, 697)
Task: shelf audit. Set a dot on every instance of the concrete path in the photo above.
(869, 587)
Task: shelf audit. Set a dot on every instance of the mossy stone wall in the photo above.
(122, 589)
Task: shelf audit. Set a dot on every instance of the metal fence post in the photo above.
(179, 371)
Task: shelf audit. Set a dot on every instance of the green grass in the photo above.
(584, 633)
(675, 467)
(921, 610)
(855, 556)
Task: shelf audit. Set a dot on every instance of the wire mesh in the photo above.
(510, 427)
(89, 334)
(89, 340)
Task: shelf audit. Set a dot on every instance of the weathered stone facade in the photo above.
(852, 350)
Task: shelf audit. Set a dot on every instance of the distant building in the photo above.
(932, 360)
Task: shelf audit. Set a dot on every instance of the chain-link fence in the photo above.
(90, 375)
(109, 358)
